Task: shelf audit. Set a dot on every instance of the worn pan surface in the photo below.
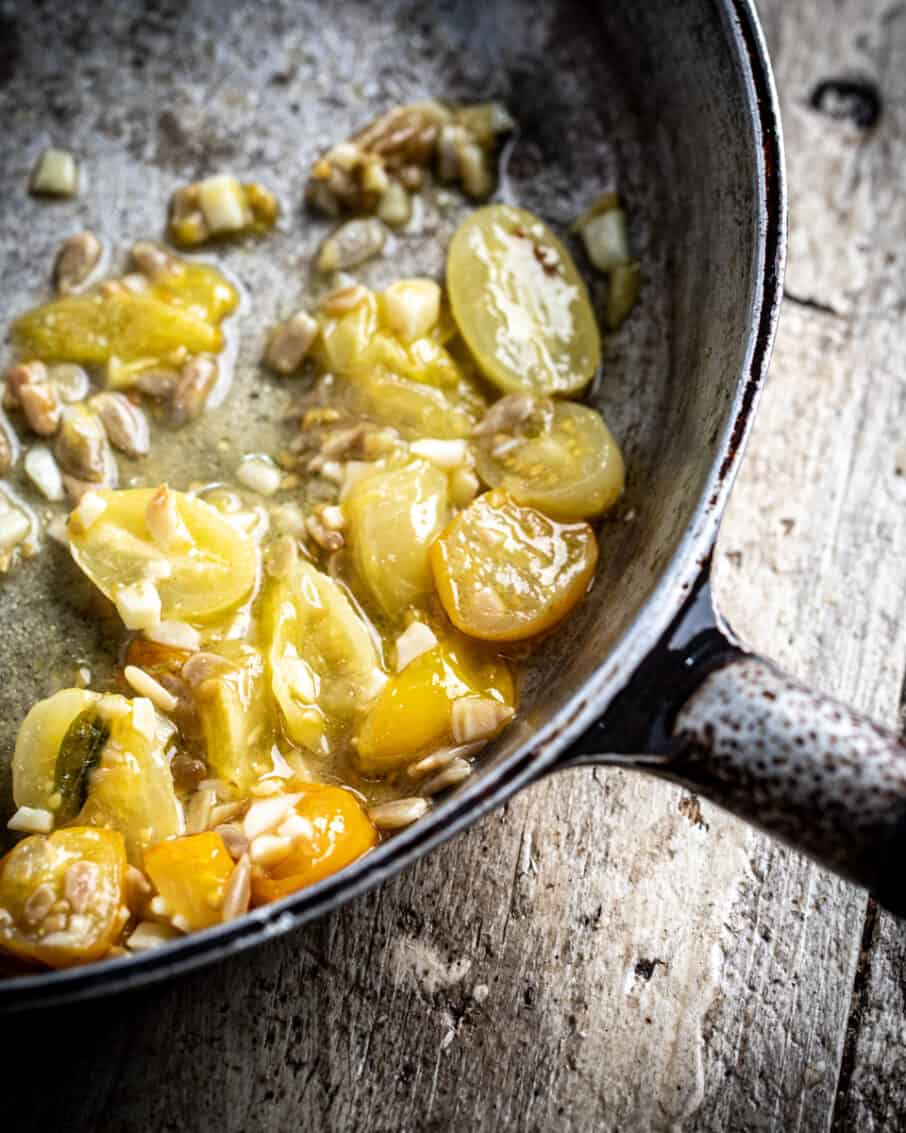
(672, 103)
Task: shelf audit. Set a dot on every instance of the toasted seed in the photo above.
(437, 760)
(145, 685)
(44, 472)
(281, 556)
(198, 811)
(398, 813)
(474, 170)
(352, 244)
(325, 538)
(233, 837)
(291, 342)
(344, 299)
(395, 207)
(165, 525)
(152, 260)
(196, 380)
(15, 527)
(159, 383)
(505, 414)
(455, 772)
(238, 890)
(149, 934)
(82, 448)
(259, 474)
(125, 423)
(8, 448)
(42, 406)
(38, 904)
(70, 381)
(265, 815)
(76, 260)
(20, 375)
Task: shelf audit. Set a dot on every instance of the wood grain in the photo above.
(597, 955)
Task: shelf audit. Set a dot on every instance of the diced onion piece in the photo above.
(55, 174)
(31, 820)
(411, 307)
(223, 204)
(478, 718)
(606, 239)
(138, 605)
(412, 643)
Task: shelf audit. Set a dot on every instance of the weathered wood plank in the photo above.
(812, 567)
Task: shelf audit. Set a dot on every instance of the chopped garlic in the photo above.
(478, 718)
(31, 820)
(138, 605)
(411, 307)
(443, 453)
(222, 203)
(91, 508)
(412, 643)
(55, 174)
(145, 685)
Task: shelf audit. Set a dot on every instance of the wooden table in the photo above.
(598, 956)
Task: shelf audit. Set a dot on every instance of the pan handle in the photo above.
(734, 728)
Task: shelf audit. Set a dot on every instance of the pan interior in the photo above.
(641, 98)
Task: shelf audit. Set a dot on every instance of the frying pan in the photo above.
(674, 104)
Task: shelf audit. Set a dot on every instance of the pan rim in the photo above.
(745, 41)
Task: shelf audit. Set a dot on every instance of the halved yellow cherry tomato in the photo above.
(562, 459)
(234, 707)
(505, 572)
(206, 570)
(85, 868)
(91, 329)
(323, 662)
(393, 514)
(132, 788)
(39, 741)
(412, 715)
(520, 304)
(336, 831)
(190, 874)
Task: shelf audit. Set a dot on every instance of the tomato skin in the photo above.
(191, 874)
(505, 572)
(340, 833)
(534, 329)
(92, 925)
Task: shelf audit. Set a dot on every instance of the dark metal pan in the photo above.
(672, 102)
